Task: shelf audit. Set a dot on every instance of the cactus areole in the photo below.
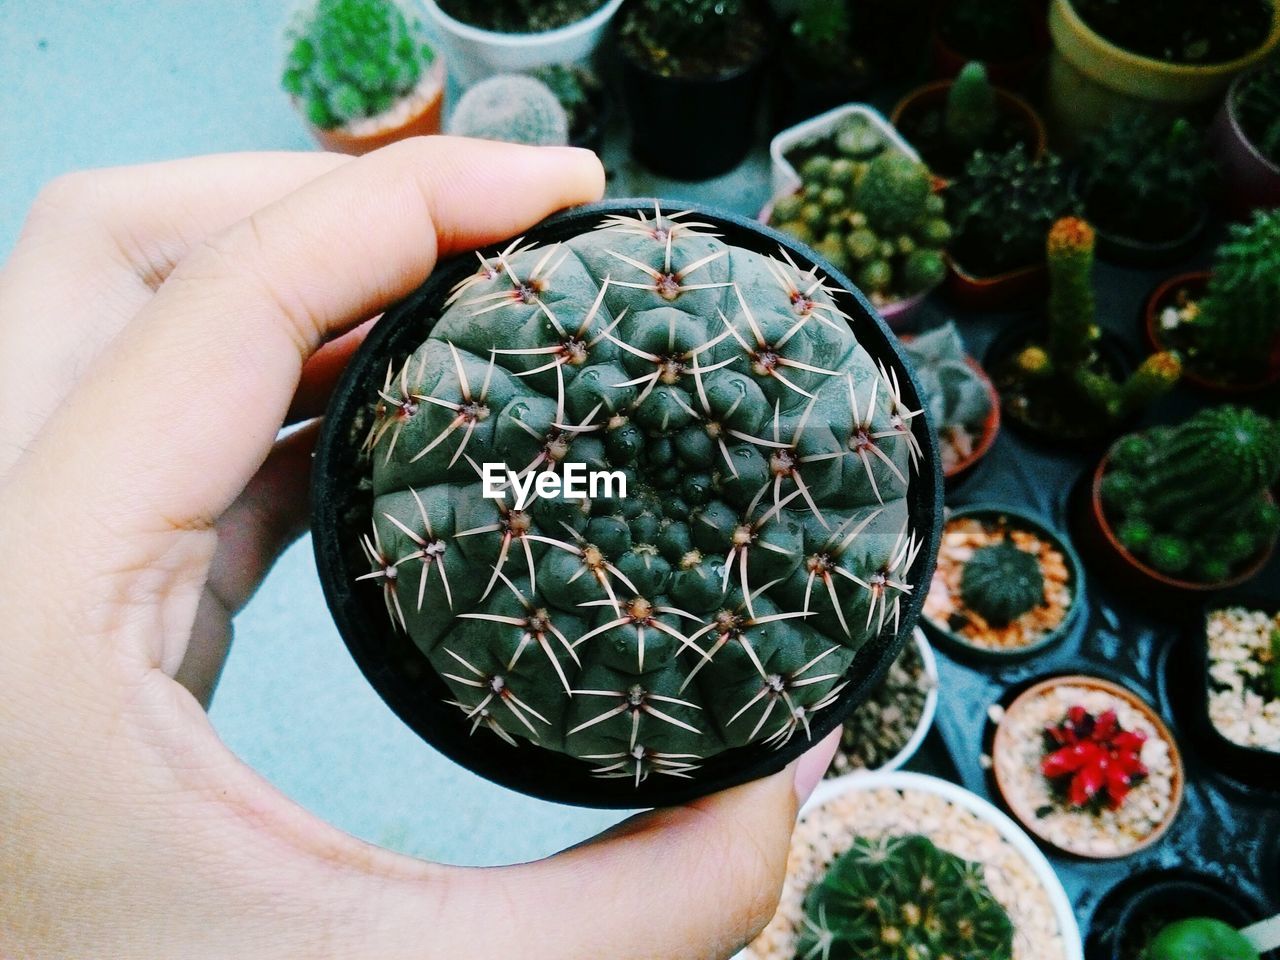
(761, 570)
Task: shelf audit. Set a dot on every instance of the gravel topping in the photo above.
(878, 730)
(1243, 703)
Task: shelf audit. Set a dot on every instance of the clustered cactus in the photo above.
(1257, 106)
(1192, 500)
(957, 398)
(1001, 209)
(1145, 177)
(877, 219)
(514, 108)
(901, 898)
(1061, 381)
(763, 538)
(1002, 582)
(350, 59)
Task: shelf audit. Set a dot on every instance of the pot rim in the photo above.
(434, 80)
(540, 772)
(995, 279)
(496, 38)
(1233, 120)
(1100, 518)
(1011, 103)
(1027, 817)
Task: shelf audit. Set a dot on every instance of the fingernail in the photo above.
(813, 765)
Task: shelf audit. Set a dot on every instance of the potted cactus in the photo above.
(1144, 183)
(692, 73)
(947, 121)
(1064, 382)
(484, 38)
(1113, 58)
(1187, 508)
(762, 499)
(585, 103)
(959, 396)
(1006, 36)
(1226, 324)
(878, 220)
(511, 107)
(1246, 136)
(1000, 211)
(362, 74)
(1006, 585)
(820, 66)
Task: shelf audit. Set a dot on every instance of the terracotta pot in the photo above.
(420, 119)
(1127, 572)
(1017, 72)
(1010, 105)
(1028, 817)
(1005, 291)
(1090, 79)
(1196, 283)
(1251, 180)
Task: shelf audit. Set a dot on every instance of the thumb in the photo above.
(691, 882)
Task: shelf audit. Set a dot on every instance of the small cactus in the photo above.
(971, 112)
(764, 535)
(1193, 501)
(901, 898)
(1002, 582)
(957, 398)
(514, 108)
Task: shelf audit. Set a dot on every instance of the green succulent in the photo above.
(763, 537)
(971, 112)
(350, 59)
(511, 107)
(1257, 106)
(1199, 938)
(901, 898)
(1196, 502)
(955, 394)
(1002, 582)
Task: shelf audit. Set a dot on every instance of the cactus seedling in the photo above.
(1192, 500)
(901, 898)
(763, 537)
(1001, 583)
(511, 107)
(1060, 385)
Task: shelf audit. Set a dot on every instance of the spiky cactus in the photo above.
(763, 537)
(1002, 582)
(971, 113)
(1192, 499)
(901, 898)
(514, 108)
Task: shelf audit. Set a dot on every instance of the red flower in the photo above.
(1093, 760)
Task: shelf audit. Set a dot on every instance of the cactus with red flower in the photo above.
(1093, 761)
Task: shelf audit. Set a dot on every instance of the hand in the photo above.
(158, 325)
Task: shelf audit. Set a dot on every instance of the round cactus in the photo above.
(762, 538)
(901, 898)
(1002, 582)
(514, 108)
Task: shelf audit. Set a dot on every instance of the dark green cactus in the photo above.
(971, 112)
(901, 898)
(1002, 582)
(514, 108)
(1193, 500)
(764, 536)
(350, 59)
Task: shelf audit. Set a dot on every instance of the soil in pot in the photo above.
(411, 404)
(921, 118)
(1003, 585)
(1087, 766)
(519, 16)
(1244, 676)
(1191, 34)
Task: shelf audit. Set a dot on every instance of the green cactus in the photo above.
(350, 59)
(764, 536)
(1237, 329)
(955, 394)
(971, 113)
(1194, 501)
(1257, 107)
(893, 193)
(514, 108)
(1002, 582)
(901, 898)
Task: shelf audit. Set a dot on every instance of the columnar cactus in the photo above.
(763, 537)
(1192, 499)
(514, 108)
(901, 898)
(1002, 582)
(971, 113)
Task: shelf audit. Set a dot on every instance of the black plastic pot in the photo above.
(341, 504)
(692, 128)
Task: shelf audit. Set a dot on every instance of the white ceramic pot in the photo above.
(927, 714)
(785, 177)
(475, 54)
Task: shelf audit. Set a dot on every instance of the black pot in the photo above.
(692, 128)
(1139, 906)
(1010, 341)
(341, 504)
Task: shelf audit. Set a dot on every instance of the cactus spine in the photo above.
(511, 107)
(764, 536)
(901, 898)
(1002, 582)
